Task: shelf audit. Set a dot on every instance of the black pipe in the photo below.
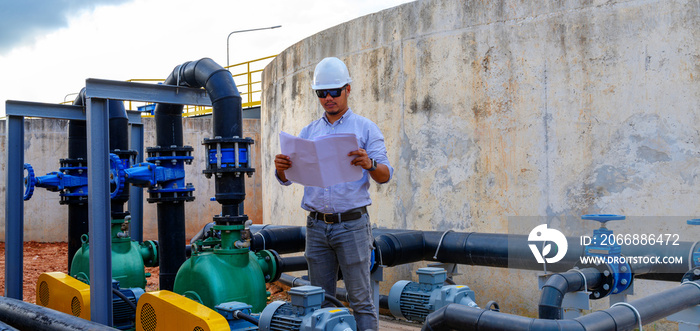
(26, 316)
(227, 122)
(621, 317)
(118, 141)
(77, 212)
(396, 247)
(171, 242)
(506, 251)
(558, 285)
(283, 239)
(292, 263)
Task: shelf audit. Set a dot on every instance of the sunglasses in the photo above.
(334, 92)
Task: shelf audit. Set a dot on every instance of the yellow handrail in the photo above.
(251, 89)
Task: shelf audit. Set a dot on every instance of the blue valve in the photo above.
(29, 182)
(603, 218)
(117, 176)
(74, 185)
(696, 253)
(604, 244)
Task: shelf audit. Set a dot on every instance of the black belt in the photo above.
(349, 215)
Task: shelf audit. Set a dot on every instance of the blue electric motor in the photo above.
(414, 301)
(122, 313)
(304, 313)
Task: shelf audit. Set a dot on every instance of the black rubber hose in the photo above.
(333, 300)
(621, 317)
(558, 285)
(124, 298)
(340, 292)
(26, 316)
(243, 316)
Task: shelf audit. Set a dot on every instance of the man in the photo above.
(338, 233)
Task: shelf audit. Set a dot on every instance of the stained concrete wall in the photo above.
(46, 142)
(497, 109)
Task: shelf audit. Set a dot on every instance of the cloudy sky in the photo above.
(49, 47)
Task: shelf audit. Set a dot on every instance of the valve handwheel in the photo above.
(116, 176)
(603, 218)
(29, 182)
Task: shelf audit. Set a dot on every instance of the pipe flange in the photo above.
(174, 154)
(160, 196)
(75, 167)
(227, 170)
(230, 220)
(273, 259)
(606, 286)
(231, 141)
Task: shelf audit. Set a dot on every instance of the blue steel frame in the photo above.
(97, 93)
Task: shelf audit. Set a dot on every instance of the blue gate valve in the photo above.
(605, 245)
(73, 185)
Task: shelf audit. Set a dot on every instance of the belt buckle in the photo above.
(324, 219)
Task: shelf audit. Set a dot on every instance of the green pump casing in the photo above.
(227, 273)
(127, 259)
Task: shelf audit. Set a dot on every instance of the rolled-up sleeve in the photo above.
(376, 149)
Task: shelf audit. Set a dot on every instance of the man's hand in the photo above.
(282, 163)
(362, 159)
(380, 175)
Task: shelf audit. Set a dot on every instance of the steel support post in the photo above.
(135, 192)
(14, 207)
(99, 211)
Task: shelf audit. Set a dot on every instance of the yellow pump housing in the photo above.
(165, 310)
(63, 293)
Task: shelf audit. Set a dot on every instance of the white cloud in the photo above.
(148, 38)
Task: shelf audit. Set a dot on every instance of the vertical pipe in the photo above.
(99, 211)
(136, 193)
(14, 207)
(77, 212)
(171, 214)
(171, 242)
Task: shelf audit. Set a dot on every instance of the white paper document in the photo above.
(321, 162)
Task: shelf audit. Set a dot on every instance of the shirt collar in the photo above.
(340, 120)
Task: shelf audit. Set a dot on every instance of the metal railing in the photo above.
(248, 78)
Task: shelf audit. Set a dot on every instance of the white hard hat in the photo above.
(330, 73)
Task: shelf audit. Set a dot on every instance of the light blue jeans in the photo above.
(348, 246)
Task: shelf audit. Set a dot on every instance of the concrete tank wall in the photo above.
(495, 109)
(46, 142)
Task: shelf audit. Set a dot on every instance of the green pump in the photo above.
(128, 257)
(226, 270)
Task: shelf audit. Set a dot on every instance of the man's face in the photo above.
(337, 105)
